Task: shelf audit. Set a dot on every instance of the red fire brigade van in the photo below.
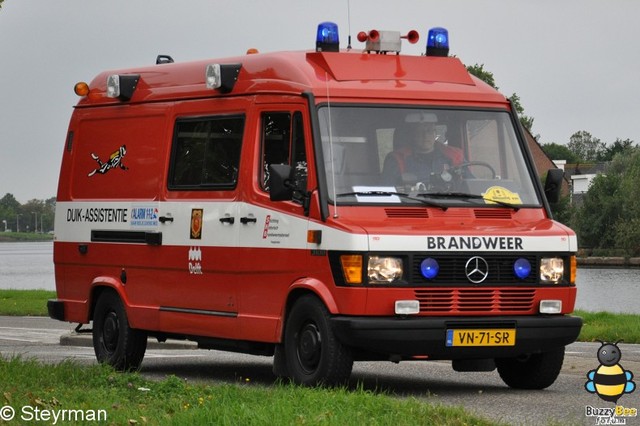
(321, 207)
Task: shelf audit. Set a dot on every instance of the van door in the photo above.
(200, 227)
(273, 234)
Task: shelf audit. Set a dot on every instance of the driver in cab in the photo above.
(420, 160)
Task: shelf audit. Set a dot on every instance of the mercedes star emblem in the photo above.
(477, 269)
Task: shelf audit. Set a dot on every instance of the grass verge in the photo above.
(25, 302)
(13, 237)
(609, 327)
(128, 398)
(603, 326)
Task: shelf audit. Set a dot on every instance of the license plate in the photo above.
(481, 337)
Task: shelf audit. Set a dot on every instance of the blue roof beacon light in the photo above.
(327, 39)
(438, 42)
(429, 268)
(522, 268)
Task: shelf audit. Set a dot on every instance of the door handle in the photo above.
(164, 219)
(245, 220)
(227, 219)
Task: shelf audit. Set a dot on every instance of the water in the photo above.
(30, 266)
(608, 289)
(27, 266)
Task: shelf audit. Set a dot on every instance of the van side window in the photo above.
(283, 143)
(206, 153)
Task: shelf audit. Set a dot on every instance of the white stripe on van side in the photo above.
(265, 228)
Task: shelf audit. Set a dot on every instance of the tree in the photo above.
(487, 77)
(600, 211)
(619, 146)
(609, 217)
(18, 216)
(586, 147)
(33, 212)
(9, 211)
(559, 152)
(482, 74)
(10, 203)
(525, 120)
(1, 1)
(563, 211)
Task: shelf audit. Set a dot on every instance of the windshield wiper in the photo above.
(391, 193)
(463, 195)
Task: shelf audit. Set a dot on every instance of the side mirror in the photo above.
(280, 182)
(553, 184)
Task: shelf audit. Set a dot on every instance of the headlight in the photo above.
(384, 270)
(551, 270)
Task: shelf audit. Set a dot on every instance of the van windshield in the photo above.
(423, 156)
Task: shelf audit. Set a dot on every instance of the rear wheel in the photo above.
(533, 371)
(114, 342)
(313, 354)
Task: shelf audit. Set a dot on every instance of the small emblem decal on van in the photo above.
(196, 224)
(115, 160)
(265, 232)
(144, 215)
(195, 260)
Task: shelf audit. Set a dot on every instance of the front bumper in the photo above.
(408, 337)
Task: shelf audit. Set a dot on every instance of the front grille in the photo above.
(452, 270)
(493, 214)
(407, 213)
(475, 300)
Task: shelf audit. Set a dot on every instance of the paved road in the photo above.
(484, 393)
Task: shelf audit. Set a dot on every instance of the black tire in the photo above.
(114, 342)
(313, 354)
(280, 363)
(534, 371)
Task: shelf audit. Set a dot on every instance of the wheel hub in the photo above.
(309, 347)
(110, 332)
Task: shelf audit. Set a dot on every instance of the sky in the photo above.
(573, 63)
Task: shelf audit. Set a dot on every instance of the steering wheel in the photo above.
(460, 167)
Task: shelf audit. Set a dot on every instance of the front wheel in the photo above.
(532, 371)
(114, 342)
(313, 354)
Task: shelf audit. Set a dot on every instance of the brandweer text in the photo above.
(474, 243)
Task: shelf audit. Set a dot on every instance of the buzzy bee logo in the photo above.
(610, 381)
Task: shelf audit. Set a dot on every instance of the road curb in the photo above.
(86, 340)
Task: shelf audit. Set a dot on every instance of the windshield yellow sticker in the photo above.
(498, 193)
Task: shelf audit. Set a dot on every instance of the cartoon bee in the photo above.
(609, 381)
